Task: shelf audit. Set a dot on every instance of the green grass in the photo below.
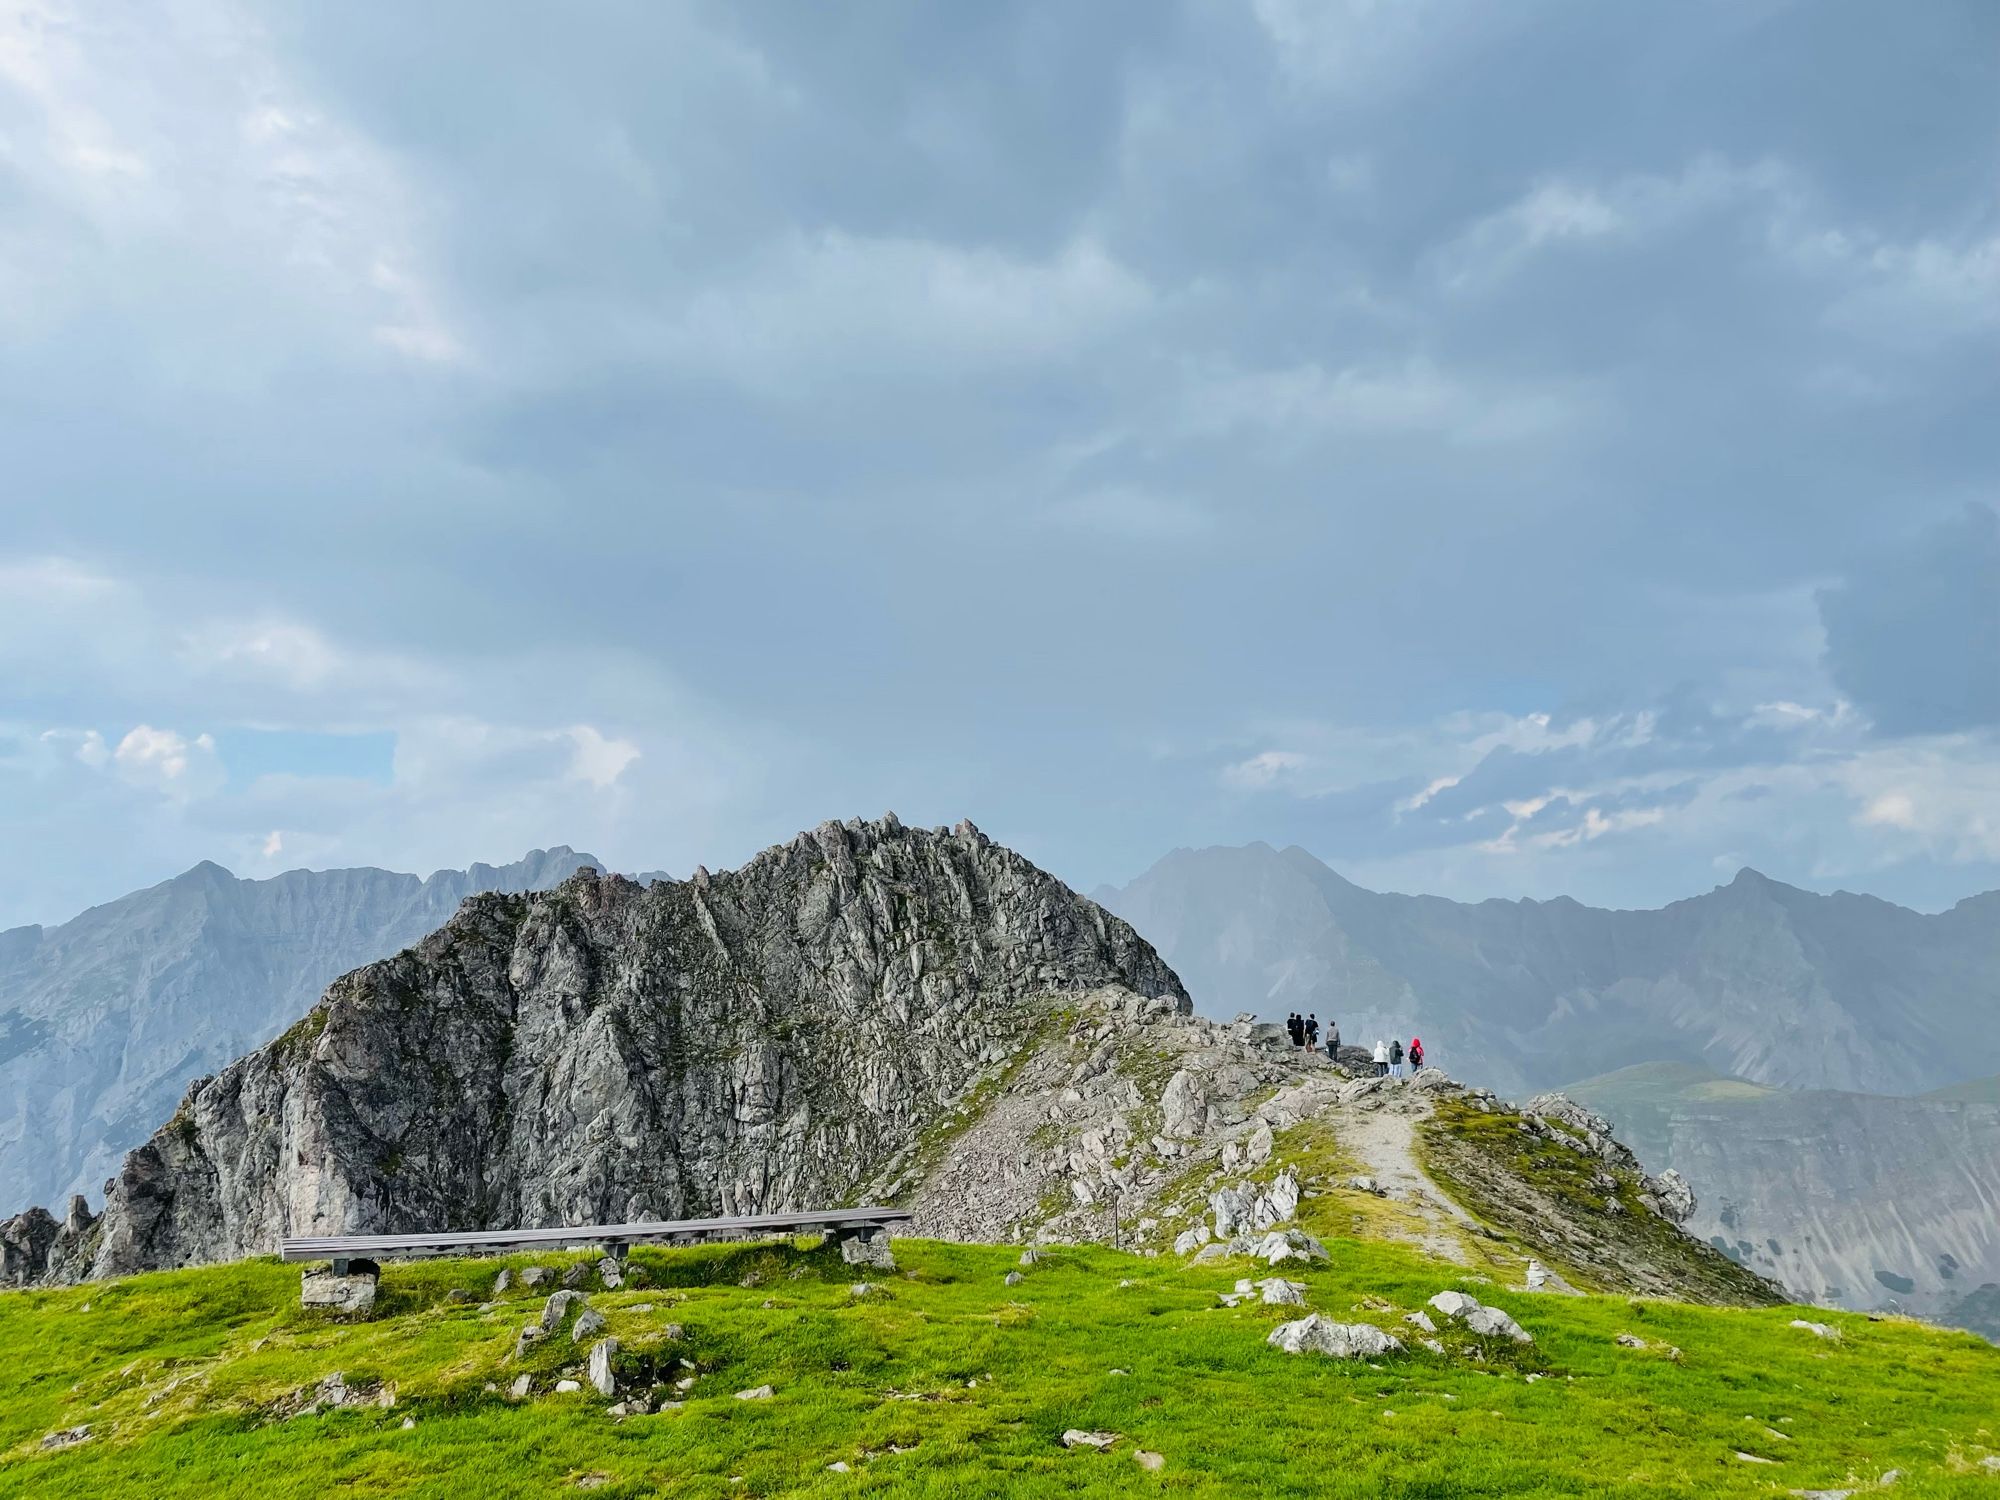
(953, 1384)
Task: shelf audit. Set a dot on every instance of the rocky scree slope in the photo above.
(106, 1019)
(1129, 1121)
(605, 1052)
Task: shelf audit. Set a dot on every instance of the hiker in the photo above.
(1381, 1058)
(1297, 1028)
(1312, 1032)
(1333, 1040)
(1396, 1058)
(1416, 1054)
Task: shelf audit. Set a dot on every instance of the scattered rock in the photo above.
(502, 1282)
(1014, 1278)
(1076, 1437)
(838, 1466)
(1030, 1255)
(589, 1323)
(536, 1276)
(1280, 1246)
(1366, 1185)
(1152, 1461)
(1315, 1334)
(1422, 1319)
(1487, 1322)
(601, 1354)
(558, 1308)
(611, 1271)
(1190, 1240)
(68, 1437)
(1435, 1347)
(457, 1296)
(521, 1386)
(1629, 1341)
(1752, 1458)
(868, 1248)
(530, 1335)
(1542, 1279)
(409, 1424)
(565, 1387)
(1817, 1330)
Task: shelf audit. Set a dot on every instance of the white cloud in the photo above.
(836, 304)
(274, 844)
(598, 760)
(167, 761)
(1267, 768)
(1309, 401)
(1126, 512)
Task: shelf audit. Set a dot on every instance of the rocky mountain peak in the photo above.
(605, 1050)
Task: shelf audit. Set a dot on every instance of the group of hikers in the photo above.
(1390, 1056)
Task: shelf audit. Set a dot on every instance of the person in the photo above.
(1312, 1032)
(1396, 1058)
(1333, 1039)
(1297, 1028)
(1416, 1054)
(1381, 1058)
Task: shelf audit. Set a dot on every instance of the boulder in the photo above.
(1487, 1322)
(352, 1294)
(1014, 1278)
(558, 1307)
(756, 1393)
(1190, 1240)
(535, 1276)
(503, 1281)
(868, 1247)
(529, 1336)
(1421, 1319)
(589, 1323)
(1629, 1341)
(611, 1271)
(1076, 1437)
(1279, 1292)
(1315, 1334)
(576, 1275)
(601, 1354)
(1817, 1330)
(566, 1387)
(1281, 1245)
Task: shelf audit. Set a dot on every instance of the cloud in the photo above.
(1913, 630)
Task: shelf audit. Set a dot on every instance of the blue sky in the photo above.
(1510, 450)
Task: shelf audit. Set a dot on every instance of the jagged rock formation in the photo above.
(605, 1051)
(1851, 1200)
(105, 1020)
(867, 1012)
(1755, 979)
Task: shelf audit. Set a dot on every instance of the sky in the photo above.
(1508, 450)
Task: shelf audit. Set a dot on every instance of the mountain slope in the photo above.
(1756, 979)
(1849, 1199)
(604, 1051)
(943, 1379)
(106, 1019)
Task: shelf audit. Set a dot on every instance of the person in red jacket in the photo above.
(1416, 1054)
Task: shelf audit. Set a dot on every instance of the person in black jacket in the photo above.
(1396, 1058)
(1312, 1032)
(1297, 1028)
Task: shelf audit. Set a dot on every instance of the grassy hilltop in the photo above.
(949, 1382)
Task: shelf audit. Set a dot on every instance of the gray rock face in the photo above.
(106, 1020)
(599, 1052)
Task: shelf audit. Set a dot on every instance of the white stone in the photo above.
(1076, 1437)
(1315, 1334)
(564, 1387)
(601, 1354)
(756, 1393)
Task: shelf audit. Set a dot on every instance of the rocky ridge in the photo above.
(605, 1052)
(867, 1013)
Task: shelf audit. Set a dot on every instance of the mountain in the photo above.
(105, 1020)
(1855, 1200)
(1755, 980)
(866, 1012)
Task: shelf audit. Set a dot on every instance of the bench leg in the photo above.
(867, 1246)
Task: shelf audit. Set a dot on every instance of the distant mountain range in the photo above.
(1755, 980)
(1857, 1200)
(105, 1020)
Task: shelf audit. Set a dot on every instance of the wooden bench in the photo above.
(861, 1228)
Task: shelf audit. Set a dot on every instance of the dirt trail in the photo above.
(1377, 1127)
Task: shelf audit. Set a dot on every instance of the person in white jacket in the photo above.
(1381, 1058)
